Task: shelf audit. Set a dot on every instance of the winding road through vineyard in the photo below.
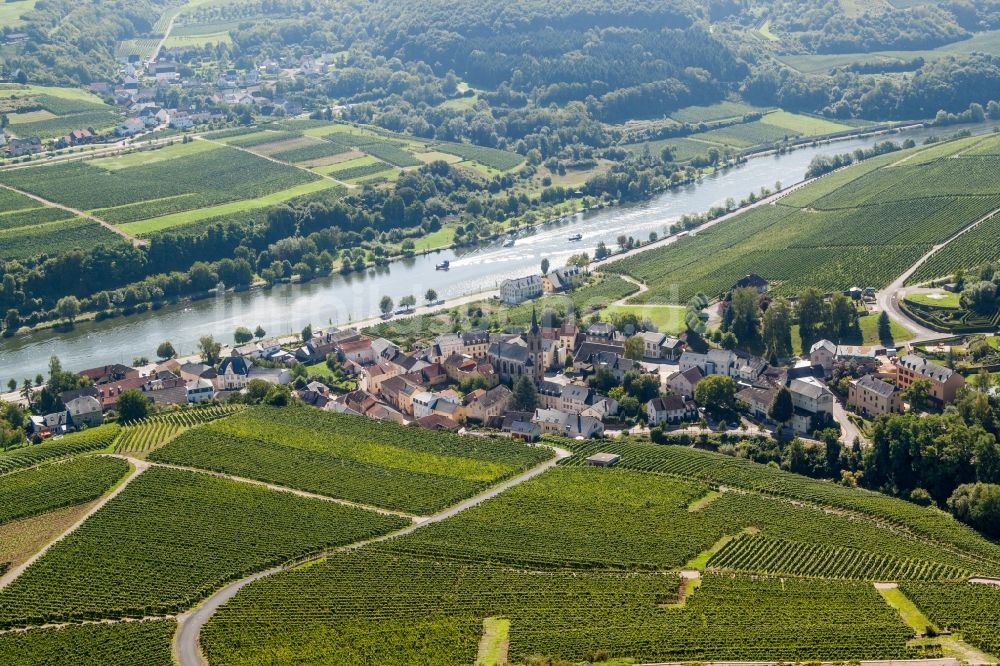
(190, 624)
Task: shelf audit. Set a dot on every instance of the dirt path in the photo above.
(269, 486)
(79, 213)
(890, 298)
(349, 186)
(166, 36)
(139, 467)
(186, 647)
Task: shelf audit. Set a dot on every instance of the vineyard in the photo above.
(776, 556)
(859, 226)
(25, 242)
(42, 489)
(313, 152)
(567, 518)
(155, 431)
(359, 171)
(328, 612)
(169, 539)
(151, 186)
(717, 469)
(124, 644)
(256, 138)
(351, 458)
(970, 608)
(92, 439)
(501, 160)
(971, 250)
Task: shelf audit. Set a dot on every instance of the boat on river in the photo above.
(444, 265)
(576, 237)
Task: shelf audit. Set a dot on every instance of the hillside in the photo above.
(860, 226)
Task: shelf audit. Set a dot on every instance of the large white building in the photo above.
(519, 290)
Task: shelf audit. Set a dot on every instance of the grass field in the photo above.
(863, 226)
(720, 111)
(937, 299)
(667, 318)
(11, 12)
(62, 110)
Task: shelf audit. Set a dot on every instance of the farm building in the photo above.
(603, 459)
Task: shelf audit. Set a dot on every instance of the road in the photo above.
(848, 431)
(138, 468)
(890, 298)
(186, 648)
(79, 213)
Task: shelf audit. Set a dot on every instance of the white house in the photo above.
(199, 390)
(670, 409)
(519, 290)
(234, 374)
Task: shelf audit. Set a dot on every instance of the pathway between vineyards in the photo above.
(139, 467)
(269, 486)
(79, 213)
(186, 647)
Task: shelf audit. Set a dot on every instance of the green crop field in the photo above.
(720, 111)
(172, 537)
(501, 160)
(51, 112)
(861, 226)
(124, 644)
(354, 169)
(306, 153)
(155, 431)
(92, 439)
(183, 178)
(51, 238)
(969, 608)
(351, 458)
(34, 491)
(12, 11)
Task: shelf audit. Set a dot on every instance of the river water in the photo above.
(343, 298)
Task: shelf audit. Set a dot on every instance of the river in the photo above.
(341, 299)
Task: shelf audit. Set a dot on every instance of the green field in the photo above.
(720, 111)
(667, 318)
(92, 439)
(172, 186)
(862, 226)
(54, 112)
(968, 608)
(584, 561)
(41, 489)
(12, 11)
(172, 537)
(937, 299)
(351, 458)
(125, 644)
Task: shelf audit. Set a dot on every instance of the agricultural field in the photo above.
(143, 48)
(972, 250)
(501, 160)
(182, 178)
(51, 238)
(326, 612)
(172, 537)
(123, 644)
(351, 458)
(969, 608)
(715, 112)
(355, 169)
(566, 518)
(49, 113)
(41, 489)
(12, 11)
(92, 439)
(833, 234)
(155, 431)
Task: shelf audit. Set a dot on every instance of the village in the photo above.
(161, 97)
(575, 379)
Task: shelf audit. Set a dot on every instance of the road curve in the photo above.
(187, 651)
(890, 298)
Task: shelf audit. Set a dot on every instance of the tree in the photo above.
(133, 405)
(431, 296)
(242, 335)
(259, 332)
(385, 305)
(545, 266)
(978, 505)
(980, 297)
(68, 308)
(745, 306)
(12, 385)
(307, 333)
(408, 301)
(917, 394)
(692, 316)
(524, 398)
(982, 381)
(210, 349)
(884, 328)
(777, 334)
(811, 313)
(781, 408)
(843, 317)
(166, 350)
(26, 390)
(716, 392)
(11, 322)
(634, 348)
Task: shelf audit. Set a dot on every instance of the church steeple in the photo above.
(534, 321)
